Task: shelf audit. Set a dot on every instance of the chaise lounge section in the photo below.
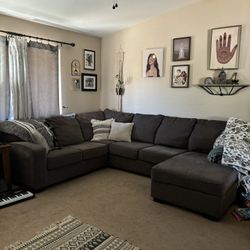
(171, 150)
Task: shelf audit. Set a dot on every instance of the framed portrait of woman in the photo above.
(153, 62)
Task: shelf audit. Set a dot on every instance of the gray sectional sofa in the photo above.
(171, 150)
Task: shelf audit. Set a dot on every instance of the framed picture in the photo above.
(89, 59)
(76, 83)
(181, 48)
(89, 82)
(153, 62)
(75, 68)
(225, 47)
(180, 76)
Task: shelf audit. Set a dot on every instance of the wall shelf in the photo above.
(223, 89)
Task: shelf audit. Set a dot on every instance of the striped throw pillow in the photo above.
(101, 129)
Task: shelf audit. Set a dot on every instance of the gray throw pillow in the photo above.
(67, 130)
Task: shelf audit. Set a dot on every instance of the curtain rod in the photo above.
(36, 37)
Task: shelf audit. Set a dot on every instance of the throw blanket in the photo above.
(31, 131)
(235, 140)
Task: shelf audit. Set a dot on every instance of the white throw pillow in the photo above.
(121, 131)
(101, 129)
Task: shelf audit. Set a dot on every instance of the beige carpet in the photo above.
(119, 203)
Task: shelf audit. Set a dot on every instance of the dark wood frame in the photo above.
(84, 59)
(172, 76)
(82, 82)
(189, 48)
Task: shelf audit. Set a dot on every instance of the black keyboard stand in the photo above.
(9, 193)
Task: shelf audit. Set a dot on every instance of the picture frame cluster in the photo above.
(181, 52)
(84, 81)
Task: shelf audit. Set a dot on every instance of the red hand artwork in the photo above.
(223, 49)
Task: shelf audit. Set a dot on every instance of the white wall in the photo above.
(77, 101)
(155, 95)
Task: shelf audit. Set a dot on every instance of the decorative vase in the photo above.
(120, 91)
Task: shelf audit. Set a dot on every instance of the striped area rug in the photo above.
(71, 233)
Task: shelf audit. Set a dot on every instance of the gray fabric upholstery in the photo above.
(204, 135)
(156, 154)
(192, 171)
(66, 130)
(91, 150)
(210, 205)
(145, 127)
(131, 165)
(175, 132)
(58, 175)
(62, 157)
(85, 124)
(5, 137)
(118, 116)
(28, 165)
(127, 149)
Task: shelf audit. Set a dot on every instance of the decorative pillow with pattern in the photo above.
(236, 129)
(235, 140)
(101, 129)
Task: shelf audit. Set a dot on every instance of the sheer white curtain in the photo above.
(43, 69)
(4, 84)
(20, 93)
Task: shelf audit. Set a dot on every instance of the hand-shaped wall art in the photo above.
(225, 45)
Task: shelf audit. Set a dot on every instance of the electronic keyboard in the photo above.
(13, 196)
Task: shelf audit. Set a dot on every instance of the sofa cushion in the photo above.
(91, 150)
(191, 170)
(118, 116)
(204, 135)
(121, 131)
(101, 129)
(63, 157)
(66, 130)
(174, 132)
(127, 149)
(156, 154)
(85, 124)
(145, 127)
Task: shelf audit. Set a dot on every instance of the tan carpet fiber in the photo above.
(119, 203)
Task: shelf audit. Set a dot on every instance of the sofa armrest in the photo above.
(28, 164)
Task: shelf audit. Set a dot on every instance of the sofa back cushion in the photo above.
(204, 135)
(175, 132)
(118, 116)
(66, 130)
(85, 124)
(145, 127)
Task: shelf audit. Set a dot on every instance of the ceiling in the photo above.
(95, 17)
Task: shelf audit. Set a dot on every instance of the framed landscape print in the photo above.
(153, 62)
(225, 47)
(181, 48)
(180, 76)
(89, 82)
(89, 59)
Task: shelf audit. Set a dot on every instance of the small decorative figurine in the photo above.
(234, 78)
(222, 77)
